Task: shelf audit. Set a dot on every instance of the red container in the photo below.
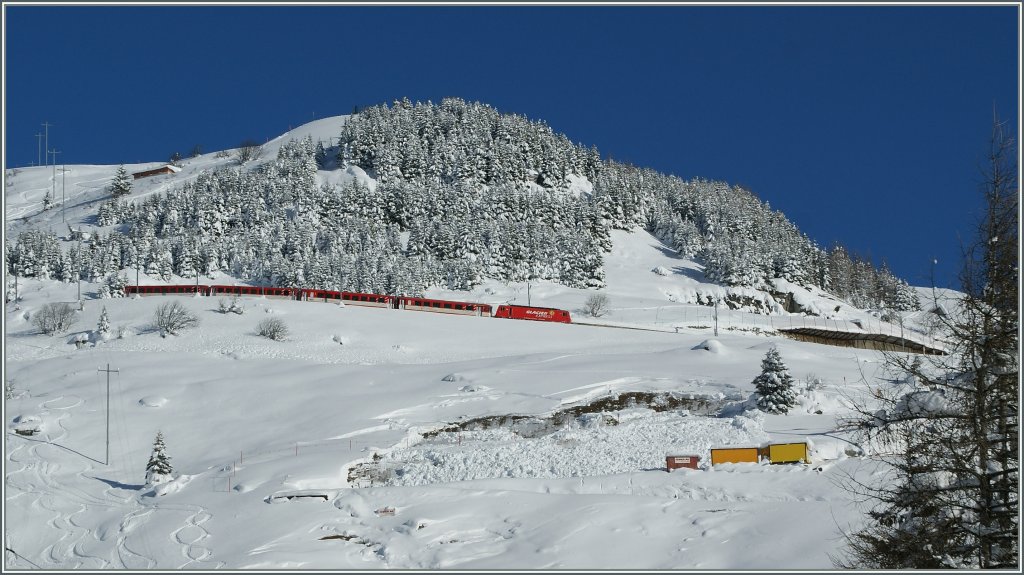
(677, 461)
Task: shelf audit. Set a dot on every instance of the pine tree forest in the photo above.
(461, 193)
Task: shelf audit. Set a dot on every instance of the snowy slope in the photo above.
(84, 187)
(249, 422)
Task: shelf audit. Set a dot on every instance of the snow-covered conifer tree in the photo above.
(122, 184)
(159, 469)
(103, 326)
(774, 385)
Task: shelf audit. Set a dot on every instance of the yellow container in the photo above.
(734, 455)
(788, 453)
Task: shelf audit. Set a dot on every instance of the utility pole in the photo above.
(53, 182)
(39, 149)
(716, 317)
(46, 136)
(79, 274)
(109, 371)
(63, 182)
(196, 263)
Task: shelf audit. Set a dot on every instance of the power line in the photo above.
(20, 557)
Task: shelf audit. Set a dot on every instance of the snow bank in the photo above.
(711, 345)
(639, 442)
(153, 401)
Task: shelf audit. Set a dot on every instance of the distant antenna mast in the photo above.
(39, 149)
(47, 125)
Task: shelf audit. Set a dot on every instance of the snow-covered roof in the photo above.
(171, 167)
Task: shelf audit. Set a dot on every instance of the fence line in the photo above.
(703, 317)
(224, 478)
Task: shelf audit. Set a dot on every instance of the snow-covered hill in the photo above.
(346, 417)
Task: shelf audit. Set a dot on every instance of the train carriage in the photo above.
(320, 295)
(444, 306)
(258, 291)
(368, 299)
(167, 290)
(236, 290)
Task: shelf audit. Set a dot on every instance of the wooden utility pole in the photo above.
(109, 371)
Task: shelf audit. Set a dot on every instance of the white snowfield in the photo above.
(323, 451)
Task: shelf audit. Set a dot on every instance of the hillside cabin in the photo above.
(168, 169)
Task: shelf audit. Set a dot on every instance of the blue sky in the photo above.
(864, 125)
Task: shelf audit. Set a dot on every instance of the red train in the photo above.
(363, 299)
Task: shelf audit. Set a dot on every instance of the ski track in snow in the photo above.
(79, 545)
(61, 503)
(190, 535)
(121, 550)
